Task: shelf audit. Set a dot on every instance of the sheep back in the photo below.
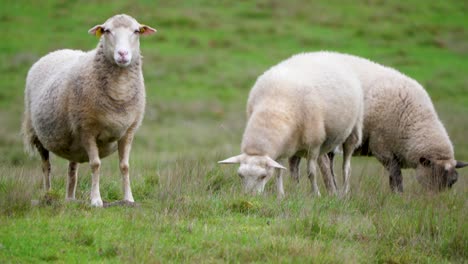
(400, 120)
(302, 102)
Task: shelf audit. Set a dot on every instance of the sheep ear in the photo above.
(96, 30)
(425, 162)
(231, 160)
(272, 163)
(146, 30)
(461, 164)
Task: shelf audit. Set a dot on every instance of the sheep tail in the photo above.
(27, 132)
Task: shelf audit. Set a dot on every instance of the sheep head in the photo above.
(254, 171)
(438, 175)
(120, 38)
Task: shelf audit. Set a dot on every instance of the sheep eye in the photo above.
(263, 177)
(137, 31)
(106, 31)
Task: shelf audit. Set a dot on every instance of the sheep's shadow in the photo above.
(120, 203)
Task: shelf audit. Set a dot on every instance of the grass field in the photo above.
(198, 70)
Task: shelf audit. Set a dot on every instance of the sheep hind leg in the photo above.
(44, 153)
(294, 162)
(348, 148)
(331, 157)
(327, 174)
(124, 146)
(95, 164)
(72, 180)
(347, 153)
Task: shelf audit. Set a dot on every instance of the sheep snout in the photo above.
(126, 44)
(122, 57)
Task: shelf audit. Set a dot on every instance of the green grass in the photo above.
(198, 70)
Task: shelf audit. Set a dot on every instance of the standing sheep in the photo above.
(301, 107)
(82, 106)
(401, 127)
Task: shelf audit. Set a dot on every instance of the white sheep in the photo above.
(301, 107)
(401, 127)
(82, 106)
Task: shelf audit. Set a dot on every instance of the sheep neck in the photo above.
(120, 84)
(267, 133)
(431, 141)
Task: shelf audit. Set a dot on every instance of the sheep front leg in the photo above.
(95, 164)
(125, 145)
(396, 179)
(72, 179)
(279, 183)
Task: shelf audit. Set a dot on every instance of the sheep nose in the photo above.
(122, 53)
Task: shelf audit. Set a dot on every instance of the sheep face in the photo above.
(437, 175)
(254, 175)
(120, 38)
(254, 171)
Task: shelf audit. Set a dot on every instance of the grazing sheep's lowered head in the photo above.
(438, 175)
(254, 171)
(120, 38)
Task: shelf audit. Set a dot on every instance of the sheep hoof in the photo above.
(97, 203)
(129, 200)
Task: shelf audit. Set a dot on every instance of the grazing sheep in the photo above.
(82, 106)
(301, 107)
(401, 127)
